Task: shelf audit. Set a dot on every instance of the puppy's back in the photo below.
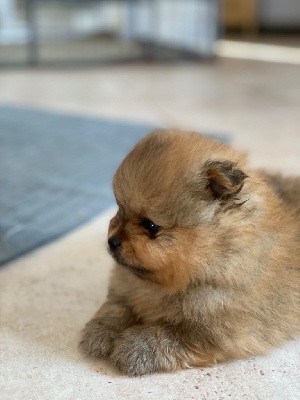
(287, 188)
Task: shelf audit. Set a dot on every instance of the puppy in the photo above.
(207, 255)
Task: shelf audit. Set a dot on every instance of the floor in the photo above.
(257, 103)
(47, 296)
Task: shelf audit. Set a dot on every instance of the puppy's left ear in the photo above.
(224, 178)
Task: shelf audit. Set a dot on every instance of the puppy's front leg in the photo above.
(143, 349)
(101, 331)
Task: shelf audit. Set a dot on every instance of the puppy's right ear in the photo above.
(224, 178)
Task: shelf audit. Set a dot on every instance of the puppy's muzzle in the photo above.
(114, 243)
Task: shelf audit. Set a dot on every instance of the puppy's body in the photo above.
(216, 275)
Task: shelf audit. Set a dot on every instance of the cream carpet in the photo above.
(45, 299)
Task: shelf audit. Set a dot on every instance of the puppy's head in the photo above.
(176, 193)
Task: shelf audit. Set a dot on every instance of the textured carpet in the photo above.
(56, 172)
(48, 295)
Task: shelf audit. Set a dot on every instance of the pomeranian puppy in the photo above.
(207, 255)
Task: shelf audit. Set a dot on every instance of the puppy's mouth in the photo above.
(137, 270)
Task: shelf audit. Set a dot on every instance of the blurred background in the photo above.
(70, 32)
(211, 65)
(82, 81)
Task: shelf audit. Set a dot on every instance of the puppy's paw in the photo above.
(97, 338)
(133, 353)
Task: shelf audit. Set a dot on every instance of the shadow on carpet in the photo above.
(56, 172)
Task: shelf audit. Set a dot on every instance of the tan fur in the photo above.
(219, 280)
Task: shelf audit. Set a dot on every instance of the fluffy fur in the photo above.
(219, 280)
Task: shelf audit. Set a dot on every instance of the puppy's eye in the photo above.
(150, 226)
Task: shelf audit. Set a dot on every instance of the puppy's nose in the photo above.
(114, 243)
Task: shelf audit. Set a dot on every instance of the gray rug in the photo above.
(55, 173)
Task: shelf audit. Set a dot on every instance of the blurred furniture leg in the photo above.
(32, 32)
(241, 14)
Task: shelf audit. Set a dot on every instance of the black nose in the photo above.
(114, 243)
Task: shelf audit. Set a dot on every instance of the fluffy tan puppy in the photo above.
(207, 255)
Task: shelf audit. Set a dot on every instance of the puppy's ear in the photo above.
(224, 178)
